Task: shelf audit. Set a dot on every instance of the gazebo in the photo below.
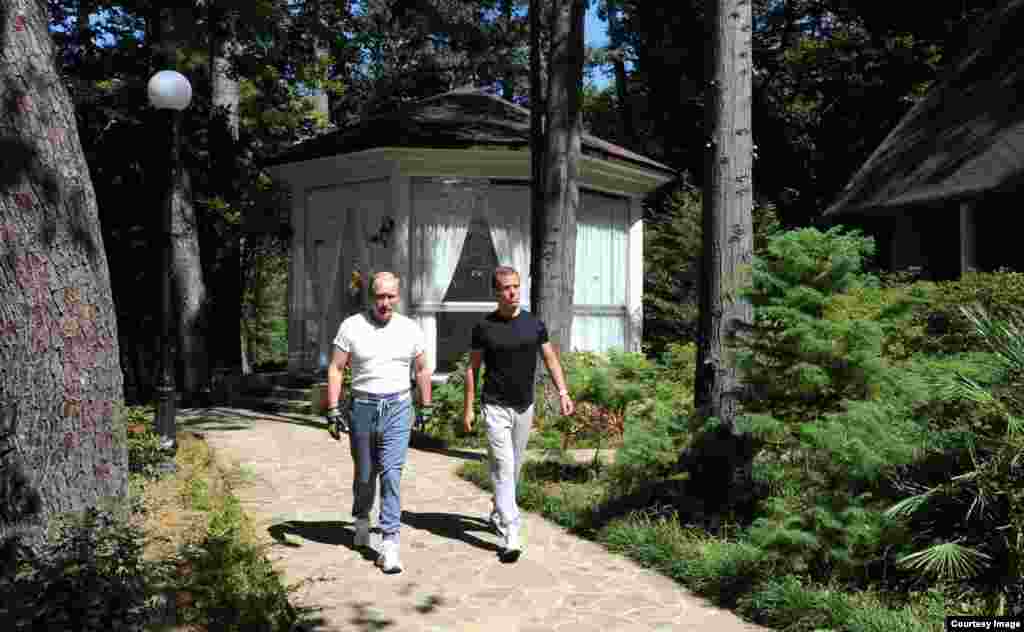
(439, 192)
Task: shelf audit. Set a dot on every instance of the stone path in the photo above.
(453, 581)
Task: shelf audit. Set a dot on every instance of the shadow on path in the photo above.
(451, 526)
(331, 532)
(235, 418)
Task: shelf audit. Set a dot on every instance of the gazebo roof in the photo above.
(458, 119)
(966, 137)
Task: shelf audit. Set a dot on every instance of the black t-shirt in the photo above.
(510, 349)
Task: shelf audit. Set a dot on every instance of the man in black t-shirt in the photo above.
(507, 342)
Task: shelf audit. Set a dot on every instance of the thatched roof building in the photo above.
(934, 188)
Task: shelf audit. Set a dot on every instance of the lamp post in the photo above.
(171, 92)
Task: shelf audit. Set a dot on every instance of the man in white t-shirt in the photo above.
(381, 346)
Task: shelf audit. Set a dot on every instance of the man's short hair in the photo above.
(384, 277)
(501, 271)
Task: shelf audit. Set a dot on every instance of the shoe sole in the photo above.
(394, 570)
(510, 556)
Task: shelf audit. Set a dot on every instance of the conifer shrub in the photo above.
(831, 412)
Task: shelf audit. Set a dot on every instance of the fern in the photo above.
(948, 560)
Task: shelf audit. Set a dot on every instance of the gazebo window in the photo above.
(471, 283)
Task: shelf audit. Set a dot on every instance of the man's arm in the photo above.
(469, 392)
(335, 377)
(555, 370)
(423, 383)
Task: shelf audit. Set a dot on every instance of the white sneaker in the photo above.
(362, 539)
(388, 560)
(496, 522)
(512, 549)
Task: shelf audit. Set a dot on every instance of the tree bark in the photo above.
(223, 44)
(728, 202)
(60, 378)
(537, 110)
(554, 239)
(231, 350)
(727, 244)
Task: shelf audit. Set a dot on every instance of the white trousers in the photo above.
(507, 434)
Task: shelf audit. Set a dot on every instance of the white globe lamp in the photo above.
(169, 90)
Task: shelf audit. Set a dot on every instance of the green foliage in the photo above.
(90, 575)
(672, 252)
(604, 386)
(448, 399)
(144, 451)
(798, 363)
(971, 520)
(893, 307)
(834, 536)
(233, 585)
(833, 414)
(946, 328)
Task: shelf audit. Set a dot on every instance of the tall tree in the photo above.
(225, 92)
(553, 254)
(60, 381)
(727, 231)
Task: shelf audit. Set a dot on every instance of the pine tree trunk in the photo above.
(537, 109)
(727, 238)
(190, 288)
(60, 379)
(224, 85)
(226, 321)
(554, 238)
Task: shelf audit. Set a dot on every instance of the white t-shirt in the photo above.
(381, 355)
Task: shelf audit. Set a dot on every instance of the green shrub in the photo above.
(650, 449)
(946, 328)
(230, 583)
(893, 307)
(833, 415)
(446, 424)
(90, 575)
(970, 523)
(144, 452)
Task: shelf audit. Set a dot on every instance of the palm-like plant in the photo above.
(989, 493)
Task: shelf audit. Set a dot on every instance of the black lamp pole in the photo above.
(165, 388)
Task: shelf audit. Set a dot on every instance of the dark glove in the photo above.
(426, 412)
(336, 423)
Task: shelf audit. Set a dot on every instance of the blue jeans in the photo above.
(379, 440)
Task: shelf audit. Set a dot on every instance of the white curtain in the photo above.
(509, 224)
(443, 214)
